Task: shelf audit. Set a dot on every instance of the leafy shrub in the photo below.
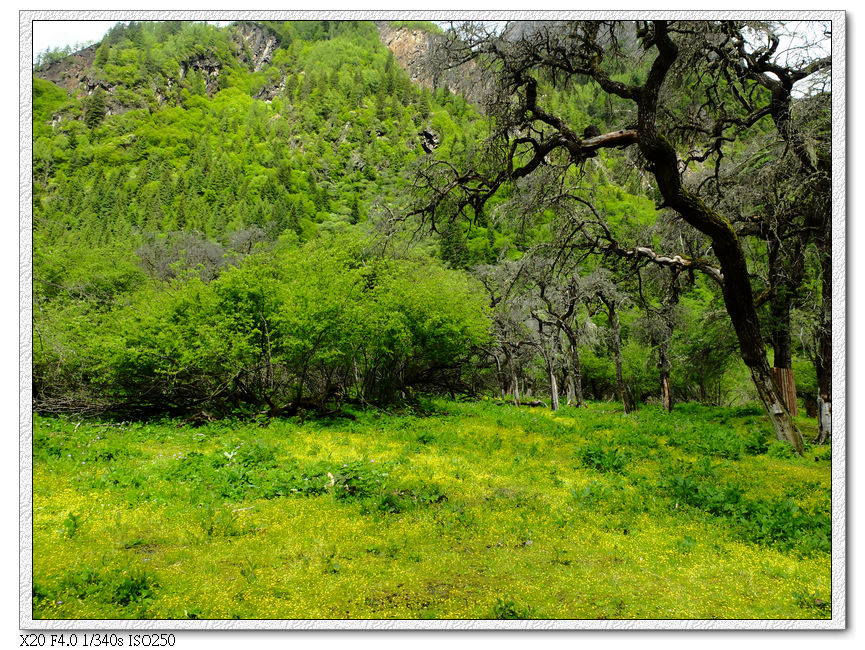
(357, 480)
(812, 600)
(133, 586)
(778, 449)
(776, 522)
(407, 498)
(756, 443)
(709, 439)
(602, 457)
(508, 609)
(123, 587)
(71, 525)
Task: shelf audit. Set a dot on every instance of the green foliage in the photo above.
(506, 609)
(94, 108)
(777, 522)
(423, 25)
(317, 517)
(71, 525)
(603, 457)
(275, 328)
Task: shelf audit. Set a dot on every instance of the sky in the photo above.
(60, 33)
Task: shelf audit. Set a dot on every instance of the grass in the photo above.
(456, 511)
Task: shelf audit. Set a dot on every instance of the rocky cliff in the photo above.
(412, 48)
(254, 48)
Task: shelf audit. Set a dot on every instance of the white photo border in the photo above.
(839, 277)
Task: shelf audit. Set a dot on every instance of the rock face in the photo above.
(254, 47)
(209, 69)
(256, 44)
(429, 140)
(412, 48)
(68, 73)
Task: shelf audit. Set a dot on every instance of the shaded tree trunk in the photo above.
(738, 296)
(613, 316)
(515, 382)
(575, 374)
(823, 358)
(551, 373)
(664, 371)
(671, 299)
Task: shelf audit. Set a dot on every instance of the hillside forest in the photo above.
(495, 279)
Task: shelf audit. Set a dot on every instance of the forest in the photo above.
(349, 319)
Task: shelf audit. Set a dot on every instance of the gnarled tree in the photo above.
(682, 93)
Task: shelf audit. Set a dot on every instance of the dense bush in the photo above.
(294, 327)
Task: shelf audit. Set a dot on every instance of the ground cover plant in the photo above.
(448, 510)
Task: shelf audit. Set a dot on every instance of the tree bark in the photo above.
(515, 382)
(666, 391)
(554, 387)
(671, 299)
(574, 368)
(738, 296)
(823, 358)
(613, 316)
(779, 309)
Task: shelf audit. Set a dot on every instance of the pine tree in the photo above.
(94, 109)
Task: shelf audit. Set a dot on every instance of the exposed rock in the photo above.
(429, 140)
(412, 48)
(209, 69)
(68, 73)
(256, 44)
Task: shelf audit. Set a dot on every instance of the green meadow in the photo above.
(450, 510)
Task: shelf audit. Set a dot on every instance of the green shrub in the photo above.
(602, 457)
(508, 609)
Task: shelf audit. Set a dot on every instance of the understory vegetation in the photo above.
(450, 510)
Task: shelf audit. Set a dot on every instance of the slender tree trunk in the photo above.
(823, 358)
(554, 387)
(668, 315)
(554, 391)
(666, 391)
(617, 349)
(569, 382)
(500, 374)
(515, 382)
(576, 374)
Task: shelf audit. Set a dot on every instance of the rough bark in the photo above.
(613, 316)
(554, 389)
(671, 299)
(515, 382)
(823, 358)
(738, 296)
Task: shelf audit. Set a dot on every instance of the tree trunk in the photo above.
(554, 387)
(823, 358)
(738, 296)
(515, 382)
(666, 392)
(779, 415)
(613, 315)
(671, 299)
(574, 368)
(554, 392)
(787, 387)
(779, 307)
(569, 382)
